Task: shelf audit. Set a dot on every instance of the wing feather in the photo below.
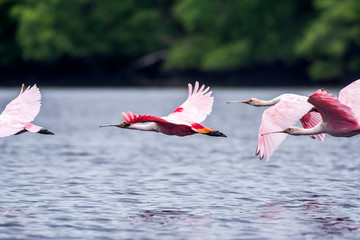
(131, 118)
(333, 112)
(350, 96)
(26, 106)
(9, 127)
(310, 120)
(285, 113)
(196, 107)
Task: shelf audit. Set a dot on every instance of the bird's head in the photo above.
(124, 125)
(250, 101)
(120, 125)
(293, 130)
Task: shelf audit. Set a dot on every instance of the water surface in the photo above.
(88, 182)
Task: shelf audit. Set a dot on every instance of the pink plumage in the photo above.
(340, 116)
(196, 108)
(26, 106)
(131, 118)
(183, 121)
(289, 109)
(311, 119)
(284, 111)
(339, 119)
(18, 114)
(350, 96)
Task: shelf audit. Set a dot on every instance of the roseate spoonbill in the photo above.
(340, 116)
(284, 112)
(182, 122)
(18, 114)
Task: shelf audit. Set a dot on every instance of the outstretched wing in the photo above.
(131, 118)
(310, 120)
(285, 113)
(196, 107)
(336, 114)
(9, 127)
(24, 107)
(350, 96)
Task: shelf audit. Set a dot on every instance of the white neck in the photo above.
(260, 103)
(318, 129)
(144, 127)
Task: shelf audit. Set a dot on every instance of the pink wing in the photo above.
(173, 128)
(350, 96)
(26, 106)
(129, 117)
(335, 114)
(9, 127)
(196, 107)
(310, 120)
(284, 114)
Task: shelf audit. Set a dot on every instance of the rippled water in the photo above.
(109, 183)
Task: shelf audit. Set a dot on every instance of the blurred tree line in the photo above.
(319, 37)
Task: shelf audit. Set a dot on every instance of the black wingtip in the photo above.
(216, 134)
(45, 131)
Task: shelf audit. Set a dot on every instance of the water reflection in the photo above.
(17, 216)
(86, 183)
(195, 226)
(338, 225)
(168, 216)
(299, 213)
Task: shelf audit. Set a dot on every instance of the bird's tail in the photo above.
(35, 129)
(216, 134)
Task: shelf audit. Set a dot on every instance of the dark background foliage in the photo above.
(165, 42)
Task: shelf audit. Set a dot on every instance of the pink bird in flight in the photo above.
(340, 116)
(285, 110)
(185, 120)
(18, 114)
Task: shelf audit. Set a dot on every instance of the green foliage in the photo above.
(49, 29)
(228, 56)
(186, 53)
(197, 34)
(325, 69)
(331, 37)
(231, 34)
(9, 49)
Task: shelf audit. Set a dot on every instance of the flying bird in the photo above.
(185, 120)
(340, 116)
(18, 114)
(285, 110)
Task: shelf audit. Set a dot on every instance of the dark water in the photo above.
(92, 183)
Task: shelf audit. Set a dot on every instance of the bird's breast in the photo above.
(174, 129)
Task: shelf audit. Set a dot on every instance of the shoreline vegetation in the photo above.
(166, 42)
